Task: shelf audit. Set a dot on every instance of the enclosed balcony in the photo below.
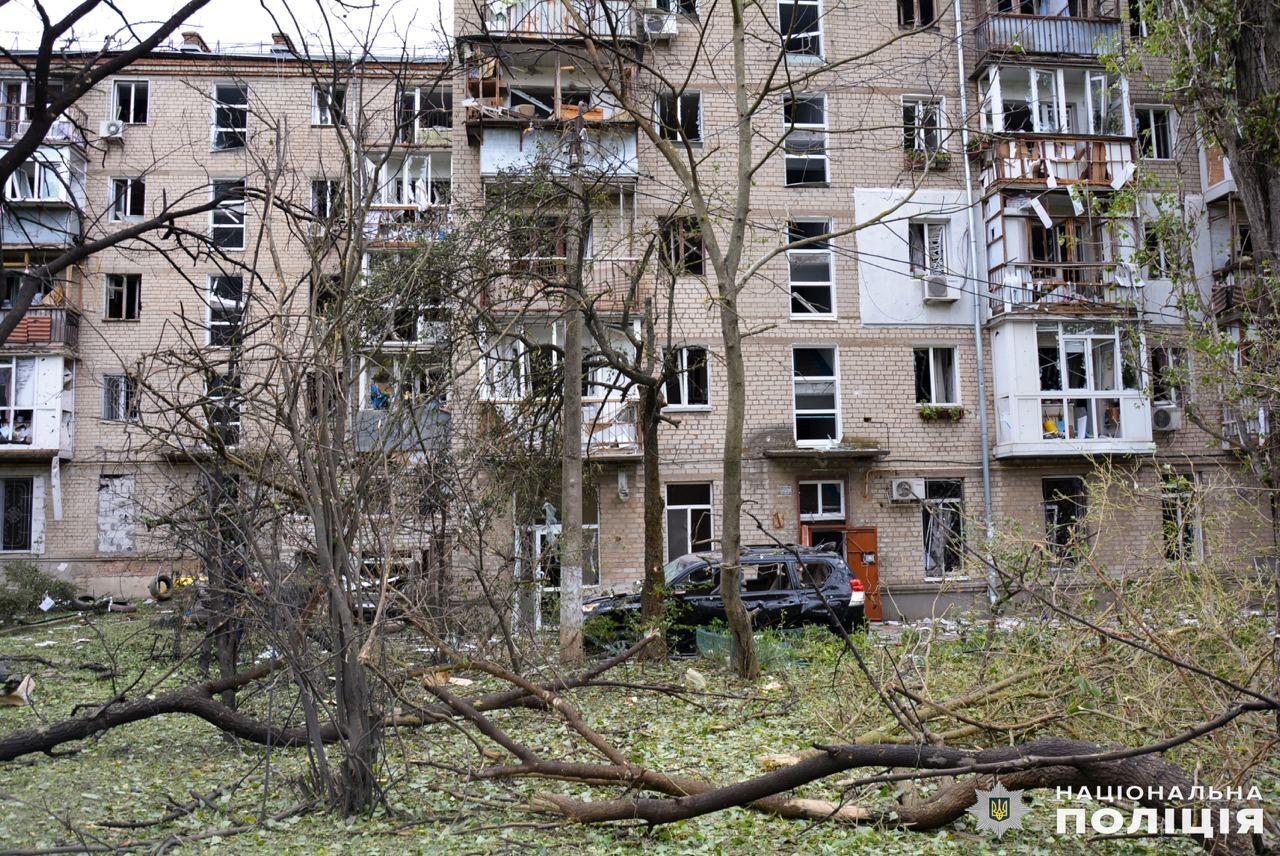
(609, 151)
(558, 19)
(43, 199)
(37, 406)
(1077, 288)
(1048, 27)
(1069, 388)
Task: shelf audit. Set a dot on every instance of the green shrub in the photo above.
(24, 586)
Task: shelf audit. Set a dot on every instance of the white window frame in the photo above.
(119, 398)
(919, 132)
(928, 228)
(50, 180)
(20, 399)
(120, 205)
(681, 379)
(230, 129)
(1177, 357)
(676, 133)
(110, 285)
(667, 508)
(133, 83)
(23, 106)
(821, 129)
(323, 113)
(1172, 124)
(928, 508)
(818, 35)
(822, 514)
(1187, 512)
(228, 209)
(233, 309)
(813, 250)
(398, 187)
(834, 380)
(415, 93)
(402, 365)
(933, 374)
(236, 408)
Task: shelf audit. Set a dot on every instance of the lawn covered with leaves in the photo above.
(140, 772)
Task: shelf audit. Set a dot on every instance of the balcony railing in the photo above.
(1060, 160)
(1075, 422)
(405, 224)
(1063, 287)
(565, 19)
(608, 425)
(45, 325)
(1235, 289)
(1056, 34)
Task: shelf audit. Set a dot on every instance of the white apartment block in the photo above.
(970, 356)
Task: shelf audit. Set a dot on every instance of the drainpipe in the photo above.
(974, 233)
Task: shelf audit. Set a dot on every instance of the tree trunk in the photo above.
(571, 553)
(652, 606)
(358, 784)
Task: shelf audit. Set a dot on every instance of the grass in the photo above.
(134, 772)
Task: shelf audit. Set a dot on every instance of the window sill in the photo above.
(808, 316)
(809, 184)
(804, 57)
(690, 408)
(121, 320)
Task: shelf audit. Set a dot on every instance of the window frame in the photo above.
(1177, 358)
(108, 287)
(930, 362)
(332, 198)
(323, 104)
(133, 83)
(407, 127)
(1077, 534)
(227, 208)
(232, 393)
(134, 187)
(1171, 126)
(822, 130)
(928, 510)
(233, 130)
(818, 248)
(927, 226)
(232, 321)
(676, 133)
(816, 37)
(821, 515)
(11, 407)
(688, 510)
(119, 398)
(1184, 542)
(35, 489)
(680, 378)
(917, 22)
(678, 245)
(834, 411)
(920, 131)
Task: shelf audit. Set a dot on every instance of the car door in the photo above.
(696, 595)
(767, 591)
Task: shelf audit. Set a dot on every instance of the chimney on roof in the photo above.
(193, 42)
(281, 43)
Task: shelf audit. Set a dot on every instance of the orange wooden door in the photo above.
(862, 549)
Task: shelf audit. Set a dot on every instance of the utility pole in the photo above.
(571, 553)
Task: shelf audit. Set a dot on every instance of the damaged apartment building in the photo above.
(992, 333)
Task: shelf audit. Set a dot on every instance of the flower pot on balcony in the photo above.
(919, 159)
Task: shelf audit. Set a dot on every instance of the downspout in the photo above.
(974, 232)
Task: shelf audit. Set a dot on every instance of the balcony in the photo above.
(405, 225)
(1063, 288)
(1053, 161)
(1073, 423)
(1041, 35)
(37, 405)
(609, 151)
(559, 19)
(1245, 424)
(1234, 291)
(416, 428)
(45, 326)
(609, 431)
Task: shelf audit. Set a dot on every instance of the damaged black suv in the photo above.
(778, 590)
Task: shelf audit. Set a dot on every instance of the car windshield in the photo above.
(676, 567)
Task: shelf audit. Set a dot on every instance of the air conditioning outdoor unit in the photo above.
(660, 25)
(906, 490)
(111, 129)
(1166, 417)
(937, 288)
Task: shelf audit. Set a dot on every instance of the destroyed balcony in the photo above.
(609, 431)
(1235, 291)
(410, 428)
(608, 150)
(45, 327)
(405, 225)
(563, 20)
(1007, 31)
(1064, 288)
(37, 405)
(1047, 161)
(1245, 425)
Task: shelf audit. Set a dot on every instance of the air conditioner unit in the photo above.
(660, 25)
(111, 129)
(937, 288)
(1166, 417)
(906, 490)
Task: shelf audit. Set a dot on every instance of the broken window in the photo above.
(226, 222)
(936, 381)
(815, 385)
(128, 198)
(773, 576)
(1064, 516)
(687, 380)
(132, 97)
(1180, 518)
(542, 539)
(682, 238)
(689, 524)
(17, 399)
(226, 310)
(119, 398)
(800, 23)
(223, 406)
(1169, 371)
(810, 268)
(18, 507)
(326, 199)
(423, 109)
(124, 296)
(230, 115)
(927, 245)
(804, 122)
(680, 116)
(943, 517)
(328, 104)
(922, 124)
(916, 13)
(1155, 132)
